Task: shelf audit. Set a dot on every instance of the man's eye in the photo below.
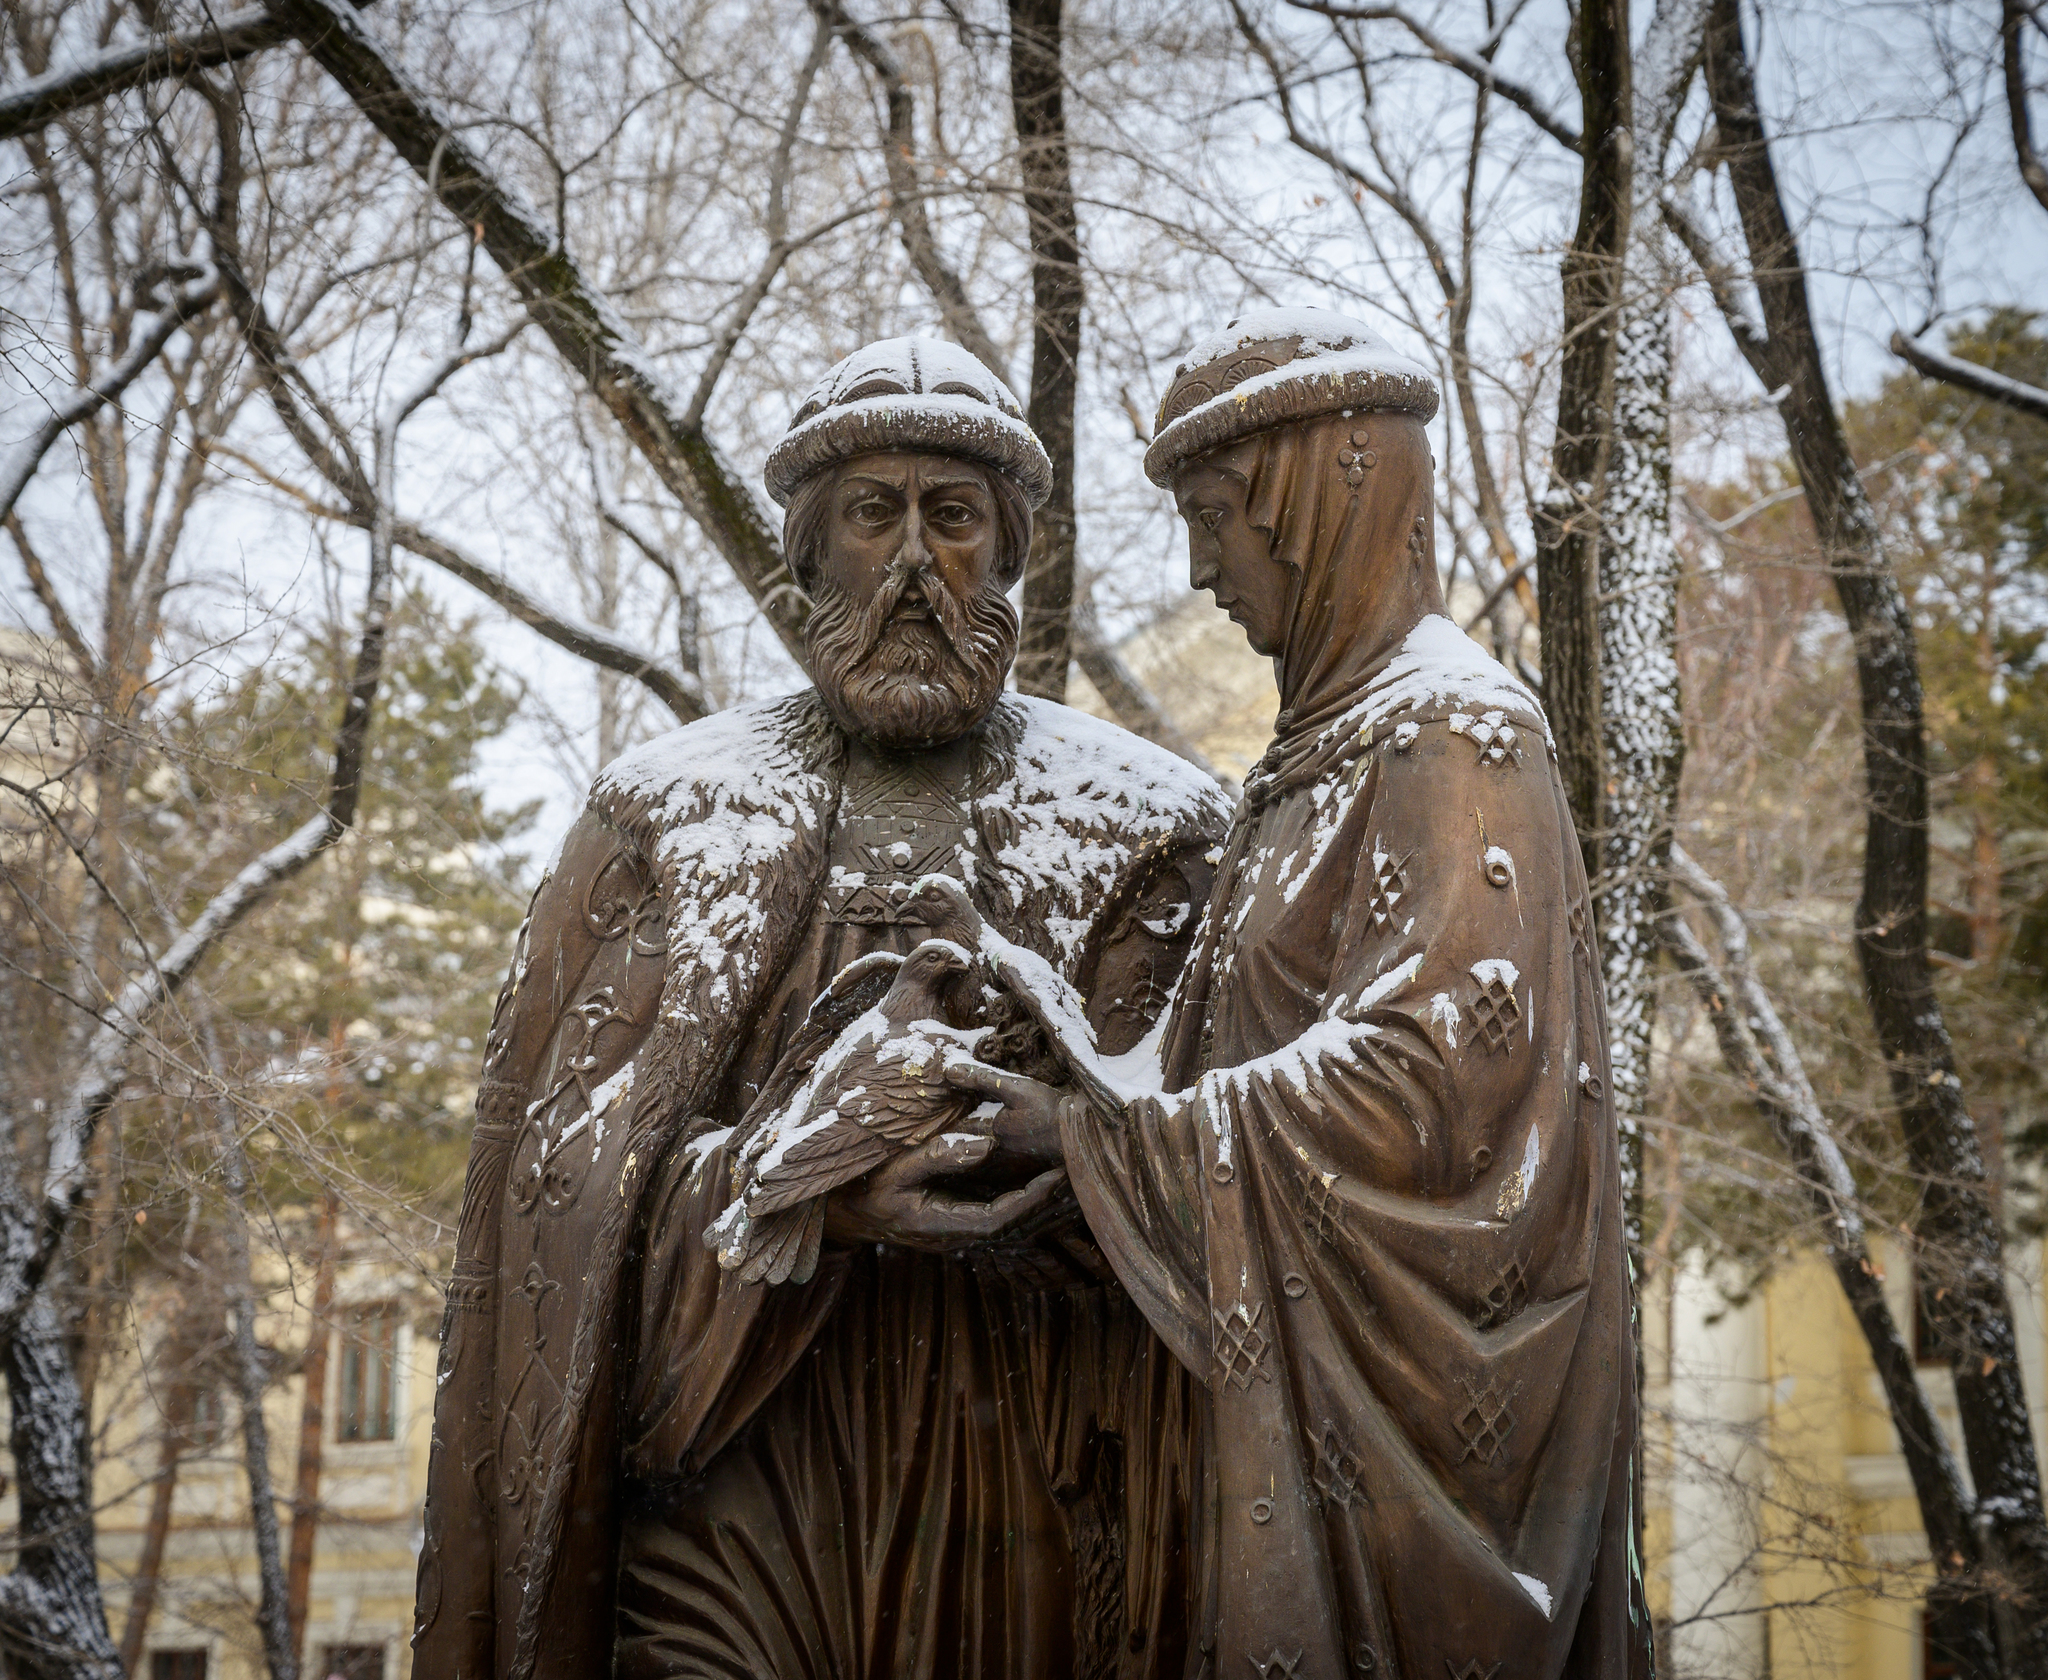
(953, 513)
(872, 513)
(1210, 518)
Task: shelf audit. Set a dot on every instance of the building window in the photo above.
(351, 1662)
(178, 1665)
(369, 1377)
(1927, 1344)
(1938, 1659)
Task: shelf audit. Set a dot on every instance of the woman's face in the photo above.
(1227, 555)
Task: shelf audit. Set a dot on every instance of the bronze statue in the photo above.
(1368, 1189)
(942, 1442)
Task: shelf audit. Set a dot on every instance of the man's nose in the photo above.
(915, 554)
(1203, 569)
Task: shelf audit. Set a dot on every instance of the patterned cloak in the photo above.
(662, 926)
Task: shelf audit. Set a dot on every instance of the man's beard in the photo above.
(917, 682)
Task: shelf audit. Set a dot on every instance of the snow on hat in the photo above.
(909, 393)
(1269, 367)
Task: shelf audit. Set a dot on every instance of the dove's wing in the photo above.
(819, 1165)
(900, 1105)
(776, 1244)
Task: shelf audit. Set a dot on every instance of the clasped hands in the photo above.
(907, 1200)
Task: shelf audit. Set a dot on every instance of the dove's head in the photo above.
(940, 979)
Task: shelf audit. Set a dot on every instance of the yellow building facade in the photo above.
(377, 1421)
(1783, 1540)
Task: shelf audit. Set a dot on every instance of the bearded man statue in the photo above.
(946, 1444)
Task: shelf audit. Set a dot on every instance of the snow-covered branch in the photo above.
(1768, 1058)
(30, 105)
(1968, 376)
(125, 1018)
(18, 464)
(1743, 326)
(1761, 1056)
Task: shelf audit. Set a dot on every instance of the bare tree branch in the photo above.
(1125, 695)
(777, 222)
(19, 463)
(1722, 282)
(1968, 376)
(2014, 13)
(682, 695)
(578, 319)
(53, 604)
(1959, 1232)
(906, 198)
(1760, 1054)
(31, 105)
(1474, 65)
(23, 1265)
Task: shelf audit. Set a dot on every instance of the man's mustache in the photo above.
(948, 611)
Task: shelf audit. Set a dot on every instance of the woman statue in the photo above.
(1363, 1179)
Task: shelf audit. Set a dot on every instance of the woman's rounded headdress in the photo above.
(1270, 367)
(909, 393)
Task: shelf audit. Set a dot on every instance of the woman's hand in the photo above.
(1029, 1121)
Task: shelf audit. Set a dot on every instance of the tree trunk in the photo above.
(312, 1422)
(182, 1358)
(156, 1529)
(1643, 740)
(1568, 520)
(1045, 648)
(1961, 1252)
(53, 1621)
(272, 1621)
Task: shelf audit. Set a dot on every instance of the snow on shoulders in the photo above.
(1069, 753)
(740, 745)
(1440, 666)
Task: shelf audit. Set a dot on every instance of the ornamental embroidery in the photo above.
(1389, 888)
(1496, 1011)
(1336, 1471)
(1508, 1296)
(1241, 1346)
(1485, 1423)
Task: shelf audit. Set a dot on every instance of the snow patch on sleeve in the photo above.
(1539, 1594)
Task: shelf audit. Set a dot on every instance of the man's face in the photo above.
(910, 638)
(1229, 556)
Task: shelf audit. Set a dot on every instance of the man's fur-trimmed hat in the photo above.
(1270, 367)
(909, 393)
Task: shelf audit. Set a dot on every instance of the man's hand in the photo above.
(899, 1203)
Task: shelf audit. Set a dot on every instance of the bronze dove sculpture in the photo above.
(878, 1089)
